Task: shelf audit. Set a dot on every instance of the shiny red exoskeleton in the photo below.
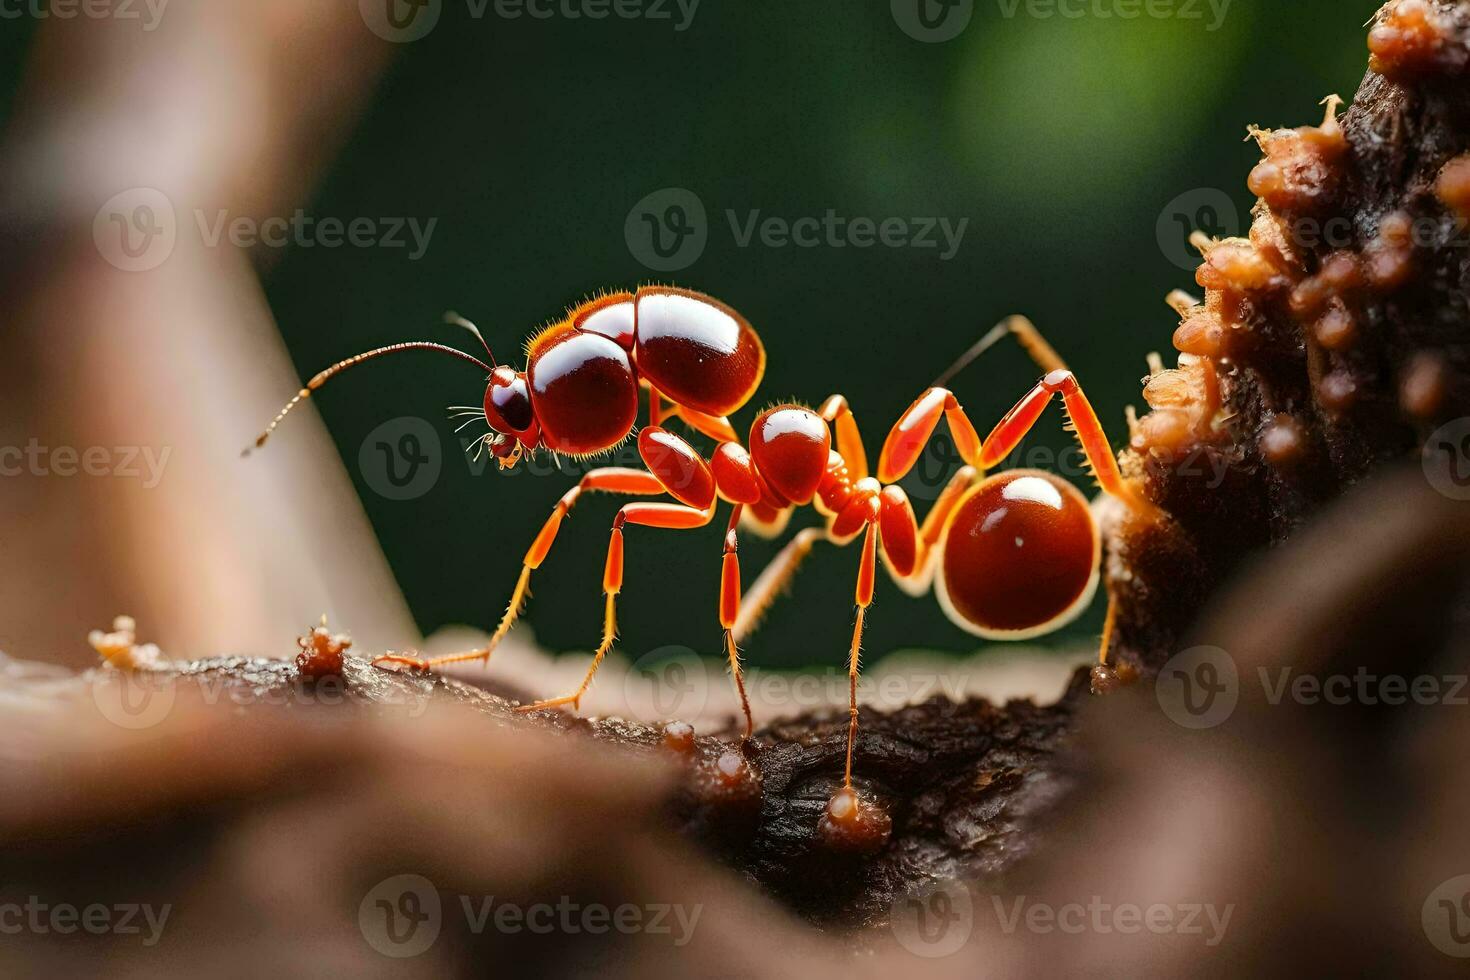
(1011, 555)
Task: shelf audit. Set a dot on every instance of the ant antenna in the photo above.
(1026, 335)
(454, 319)
(324, 376)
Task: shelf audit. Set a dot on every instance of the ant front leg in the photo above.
(783, 568)
(1094, 442)
(612, 479)
(907, 438)
(835, 412)
(716, 427)
(683, 474)
(1100, 457)
(673, 516)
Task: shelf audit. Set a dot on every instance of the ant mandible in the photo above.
(1011, 556)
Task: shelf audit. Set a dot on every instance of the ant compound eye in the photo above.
(508, 402)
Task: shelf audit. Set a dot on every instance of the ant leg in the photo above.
(835, 411)
(1026, 334)
(907, 438)
(610, 479)
(949, 498)
(717, 427)
(730, 610)
(864, 597)
(1109, 622)
(777, 576)
(674, 516)
(1019, 420)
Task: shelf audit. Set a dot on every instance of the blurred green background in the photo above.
(1079, 151)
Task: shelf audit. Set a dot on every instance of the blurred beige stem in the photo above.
(172, 370)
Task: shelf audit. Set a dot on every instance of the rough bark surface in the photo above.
(1333, 340)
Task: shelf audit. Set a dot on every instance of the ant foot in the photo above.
(412, 663)
(1106, 679)
(853, 822)
(575, 700)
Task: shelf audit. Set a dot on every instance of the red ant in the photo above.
(1012, 556)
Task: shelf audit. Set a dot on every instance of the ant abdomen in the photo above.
(1021, 556)
(696, 350)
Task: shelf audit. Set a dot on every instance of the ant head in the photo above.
(509, 411)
